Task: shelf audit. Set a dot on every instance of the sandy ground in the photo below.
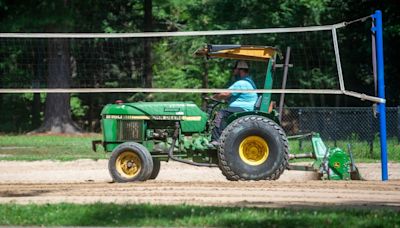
(87, 181)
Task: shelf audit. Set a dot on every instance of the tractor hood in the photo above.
(153, 111)
(191, 117)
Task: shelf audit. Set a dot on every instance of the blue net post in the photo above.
(381, 91)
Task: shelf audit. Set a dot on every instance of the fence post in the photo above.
(300, 130)
(336, 123)
(381, 91)
(284, 81)
(371, 134)
(398, 124)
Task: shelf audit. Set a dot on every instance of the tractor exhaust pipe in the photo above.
(171, 151)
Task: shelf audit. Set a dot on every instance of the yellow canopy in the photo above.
(242, 52)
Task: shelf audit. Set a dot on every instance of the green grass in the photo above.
(49, 147)
(65, 148)
(185, 215)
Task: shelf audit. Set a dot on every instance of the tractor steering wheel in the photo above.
(211, 98)
(212, 103)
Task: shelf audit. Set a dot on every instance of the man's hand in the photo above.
(222, 96)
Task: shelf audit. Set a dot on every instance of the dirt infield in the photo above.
(87, 181)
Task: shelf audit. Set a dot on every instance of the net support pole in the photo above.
(337, 57)
(381, 91)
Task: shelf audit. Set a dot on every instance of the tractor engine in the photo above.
(152, 124)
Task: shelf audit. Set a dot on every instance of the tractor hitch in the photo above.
(171, 151)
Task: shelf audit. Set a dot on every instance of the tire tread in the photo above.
(223, 164)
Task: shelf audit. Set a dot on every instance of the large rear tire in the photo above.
(130, 162)
(253, 148)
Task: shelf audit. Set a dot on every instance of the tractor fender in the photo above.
(273, 115)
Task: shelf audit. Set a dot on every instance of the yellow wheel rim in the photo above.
(253, 150)
(128, 164)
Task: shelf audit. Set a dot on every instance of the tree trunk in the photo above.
(312, 101)
(91, 114)
(40, 70)
(322, 100)
(57, 114)
(148, 21)
(36, 106)
(337, 101)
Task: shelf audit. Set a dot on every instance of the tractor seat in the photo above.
(257, 105)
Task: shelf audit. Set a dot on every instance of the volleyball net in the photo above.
(163, 62)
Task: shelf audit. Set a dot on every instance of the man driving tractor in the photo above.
(251, 147)
(237, 102)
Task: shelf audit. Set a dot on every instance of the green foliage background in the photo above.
(173, 64)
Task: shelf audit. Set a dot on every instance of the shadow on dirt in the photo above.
(22, 193)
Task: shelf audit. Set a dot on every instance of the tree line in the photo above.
(160, 62)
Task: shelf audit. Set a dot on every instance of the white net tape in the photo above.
(172, 34)
(332, 28)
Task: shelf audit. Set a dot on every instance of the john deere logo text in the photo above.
(159, 117)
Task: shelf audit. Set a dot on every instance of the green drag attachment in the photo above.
(330, 163)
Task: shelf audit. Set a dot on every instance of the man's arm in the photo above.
(222, 96)
(227, 95)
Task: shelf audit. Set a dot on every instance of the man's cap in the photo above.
(242, 65)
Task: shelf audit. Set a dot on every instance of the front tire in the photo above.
(130, 162)
(156, 169)
(253, 148)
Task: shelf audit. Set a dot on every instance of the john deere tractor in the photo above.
(253, 146)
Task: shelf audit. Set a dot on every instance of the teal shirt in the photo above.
(243, 100)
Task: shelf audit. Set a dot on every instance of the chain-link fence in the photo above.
(341, 125)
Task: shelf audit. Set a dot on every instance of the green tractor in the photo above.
(253, 146)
